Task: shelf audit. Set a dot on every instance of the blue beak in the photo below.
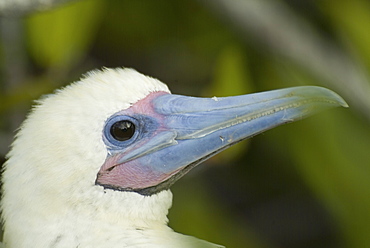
(184, 131)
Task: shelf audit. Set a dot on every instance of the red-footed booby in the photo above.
(92, 164)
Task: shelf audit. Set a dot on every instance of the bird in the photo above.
(93, 163)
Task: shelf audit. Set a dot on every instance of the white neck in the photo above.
(112, 219)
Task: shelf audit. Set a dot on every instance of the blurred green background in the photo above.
(305, 184)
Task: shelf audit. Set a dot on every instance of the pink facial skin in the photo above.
(133, 174)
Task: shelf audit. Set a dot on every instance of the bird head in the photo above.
(115, 141)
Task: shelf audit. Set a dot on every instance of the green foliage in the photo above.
(350, 19)
(206, 214)
(231, 72)
(339, 177)
(60, 37)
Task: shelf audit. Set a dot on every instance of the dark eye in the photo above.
(122, 130)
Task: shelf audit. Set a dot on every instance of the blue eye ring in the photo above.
(120, 131)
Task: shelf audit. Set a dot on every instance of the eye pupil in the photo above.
(122, 130)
